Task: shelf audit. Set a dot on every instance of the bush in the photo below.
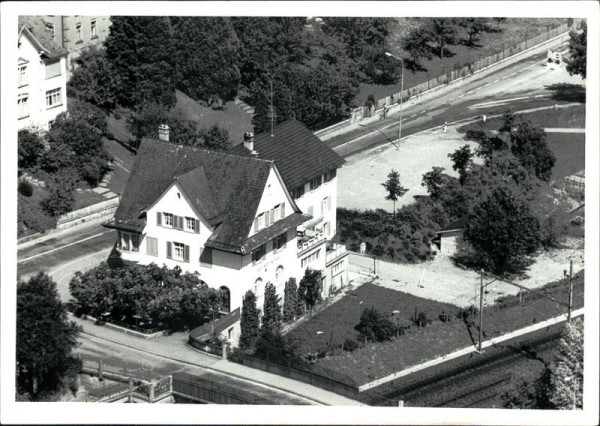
(374, 327)
(25, 188)
(420, 320)
(350, 345)
(475, 135)
(30, 148)
(31, 217)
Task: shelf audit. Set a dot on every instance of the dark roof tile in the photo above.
(299, 155)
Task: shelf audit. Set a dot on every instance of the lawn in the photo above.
(123, 160)
(85, 199)
(514, 31)
(377, 360)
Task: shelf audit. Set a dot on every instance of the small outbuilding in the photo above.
(449, 237)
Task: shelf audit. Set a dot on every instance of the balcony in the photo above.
(308, 241)
(334, 252)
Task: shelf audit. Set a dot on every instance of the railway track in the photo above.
(461, 385)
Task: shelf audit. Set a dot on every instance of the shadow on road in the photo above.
(567, 92)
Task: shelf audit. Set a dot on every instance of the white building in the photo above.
(231, 218)
(42, 76)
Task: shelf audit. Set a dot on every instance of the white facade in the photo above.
(42, 85)
(187, 237)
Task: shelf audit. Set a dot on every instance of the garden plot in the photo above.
(360, 179)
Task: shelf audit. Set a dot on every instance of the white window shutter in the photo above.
(158, 218)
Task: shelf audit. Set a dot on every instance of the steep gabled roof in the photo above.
(227, 188)
(35, 28)
(299, 155)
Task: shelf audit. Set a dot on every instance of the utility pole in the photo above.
(570, 290)
(480, 309)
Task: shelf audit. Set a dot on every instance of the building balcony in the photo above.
(310, 240)
(334, 252)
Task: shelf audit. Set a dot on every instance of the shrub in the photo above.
(350, 345)
(420, 320)
(374, 327)
(25, 188)
(30, 148)
(475, 135)
(32, 218)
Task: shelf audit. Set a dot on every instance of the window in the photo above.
(23, 106)
(259, 253)
(261, 221)
(178, 251)
(327, 229)
(257, 285)
(52, 69)
(130, 242)
(206, 256)
(53, 98)
(315, 183)
(310, 258)
(277, 210)
(192, 224)
(50, 124)
(93, 29)
(282, 210)
(330, 175)
(337, 267)
(298, 192)
(23, 80)
(50, 28)
(78, 32)
(280, 241)
(279, 273)
(151, 246)
(168, 219)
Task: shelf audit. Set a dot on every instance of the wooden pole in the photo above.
(570, 290)
(480, 309)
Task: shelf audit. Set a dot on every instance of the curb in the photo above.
(270, 385)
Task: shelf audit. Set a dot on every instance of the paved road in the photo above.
(527, 84)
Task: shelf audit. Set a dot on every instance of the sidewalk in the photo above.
(60, 233)
(174, 347)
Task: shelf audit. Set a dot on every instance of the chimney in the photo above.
(249, 141)
(163, 132)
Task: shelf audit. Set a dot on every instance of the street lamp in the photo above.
(401, 90)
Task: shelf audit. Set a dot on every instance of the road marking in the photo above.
(469, 92)
(496, 81)
(514, 73)
(486, 85)
(460, 96)
(414, 115)
(504, 78)
(62, 247)
(540, 96)
(452, 100)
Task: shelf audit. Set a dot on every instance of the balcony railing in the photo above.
(334, 251)
(305, 243)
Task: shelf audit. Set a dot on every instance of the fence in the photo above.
(305, 376)
(206, 347)
(196, 388)
(471, 68)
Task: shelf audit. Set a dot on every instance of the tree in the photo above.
(374, 327)
(442, 32)
(60, 200)
(273, 346)
(462, 160)
(271, 320)
(416, 43)
(509, 119)
(290, 300)
(529, 395)
(94, 80)
(567, 379)
(250, 321)
(528, 144)
(45, 338)
(576, 64)
(394, 189)
(207, 58)
(309, 289)
(31, 147)
(141, 52)
(502, 227)
(473, 27)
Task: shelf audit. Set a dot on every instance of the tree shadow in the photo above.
(567, 92)
(114, 260)
(414, 66)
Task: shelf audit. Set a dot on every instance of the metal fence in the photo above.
(302, 375)
(471, 68)
(195, 388)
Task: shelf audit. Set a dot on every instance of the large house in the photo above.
(42, 76)
(232, 217)
(75, 33)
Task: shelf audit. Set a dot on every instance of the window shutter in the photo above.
(119, 245)
(272, 216)
(186, 254)
(310, 211)
(255, 224)
(196, 226)
(328, 203)
(282, 210)
(284, 238)
(158, 218)
(169, 255)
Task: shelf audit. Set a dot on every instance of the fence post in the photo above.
(130, 390)
(100, 367)
(151, 392)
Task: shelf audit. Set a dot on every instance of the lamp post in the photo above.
(401, 90)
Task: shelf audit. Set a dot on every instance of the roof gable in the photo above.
(299, 155)
(229, 186)
(35, 29)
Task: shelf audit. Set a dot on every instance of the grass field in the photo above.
(377, 360)
(569, 150)
(514, 31)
